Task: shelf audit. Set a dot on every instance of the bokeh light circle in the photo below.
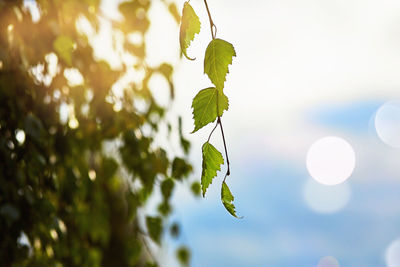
(326, 199)
(328, 261)
(387, 123)
(330, 160)
(392, 254)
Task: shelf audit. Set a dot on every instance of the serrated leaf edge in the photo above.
(213, 64)
(204, 168)
(230, 200)
(183, 48)
(221, 113)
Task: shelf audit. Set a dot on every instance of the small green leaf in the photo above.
(166, 188)
(196, 188)
(64, 46)
(205, 106)
(180, 168)
(183, 255)
(190, 25)
(212, 160)
(154, 228)
(227, 199)
(164, 208)
(218, 57)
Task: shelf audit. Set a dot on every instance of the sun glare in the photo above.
(387, 123)
(328, 261)
(392, 254)
(330, 160)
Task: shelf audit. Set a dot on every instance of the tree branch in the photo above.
(213, 35)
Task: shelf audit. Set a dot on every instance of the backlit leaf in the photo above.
(205, 107)
(218, 57)
(227, 199)
(212, 160)
(190, 26)
(64, 46)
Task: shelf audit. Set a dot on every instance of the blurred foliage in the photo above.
(78, 160)
(183, 255)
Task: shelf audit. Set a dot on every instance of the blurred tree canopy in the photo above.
(79, 158)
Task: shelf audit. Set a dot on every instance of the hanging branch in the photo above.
(210, 103)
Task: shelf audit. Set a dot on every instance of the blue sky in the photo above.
(278, 228)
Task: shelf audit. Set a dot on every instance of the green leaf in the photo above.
(212, 160)
(218, 57)
(196, 188)
(227, 199)
(64, 46)
(154, 227)
(166, 188)
(190, 25)
(185, 144)
(180, 168)
(183, 255)
(164, 208)
(205, 106)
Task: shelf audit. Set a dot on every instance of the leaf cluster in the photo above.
(78, 160)
(210, 103)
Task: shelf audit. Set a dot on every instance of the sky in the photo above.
(313, 132)
(304, 70)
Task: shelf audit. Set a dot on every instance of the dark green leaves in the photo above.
(196, 188)
(183, 255)
(219, 55)
(33, 127)
(189, 27)
(212, 160)
(154, 227)
(180, 168)
(166, 188)
(227, 199)
(205, 105)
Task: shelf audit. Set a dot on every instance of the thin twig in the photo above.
(228, 171)
(212, 25)
(213, 35)
(208, 140)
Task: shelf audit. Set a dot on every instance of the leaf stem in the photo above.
(228, 171)
(215, 127)
(212, 25)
